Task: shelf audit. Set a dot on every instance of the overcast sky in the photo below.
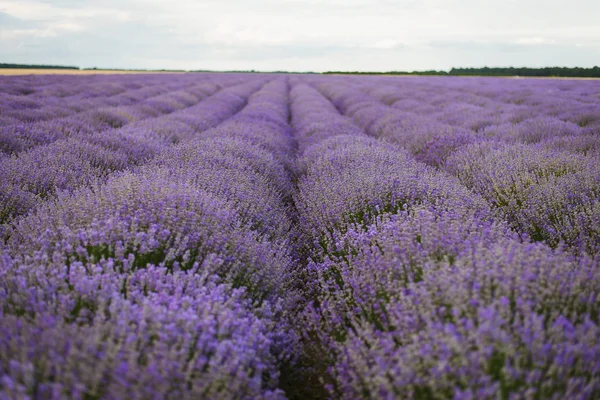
(301, 35)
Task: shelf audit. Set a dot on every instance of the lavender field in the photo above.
(257, 236)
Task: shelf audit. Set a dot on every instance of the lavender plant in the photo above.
(550, 195)
(260, 236)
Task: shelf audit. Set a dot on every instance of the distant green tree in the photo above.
(32, 66)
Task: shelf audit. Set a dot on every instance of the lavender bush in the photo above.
(232, 236)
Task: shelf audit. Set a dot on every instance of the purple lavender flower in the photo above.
(238, 236)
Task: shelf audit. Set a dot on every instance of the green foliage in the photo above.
(493, 71)
(29, 66)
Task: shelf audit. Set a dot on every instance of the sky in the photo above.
(301, 35)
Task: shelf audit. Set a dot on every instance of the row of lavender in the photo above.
(130, 102)
(540, 172)
(92, 154)
(205, 248)
(174, 279)
(421, 289)
(50, 97)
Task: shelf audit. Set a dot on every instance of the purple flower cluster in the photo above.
(422, 290)
(436, 304)
(157, 282)
(260, 236)
(89, 113)
(550, 195)
(36, 174)
(512, 158)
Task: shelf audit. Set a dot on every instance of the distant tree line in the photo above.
(31, 66)
(575, 72)
(431, 72)
(251, 71)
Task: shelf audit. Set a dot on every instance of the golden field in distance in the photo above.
(48, 71)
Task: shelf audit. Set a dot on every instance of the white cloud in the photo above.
(247, 34)
(387, 44)
(300, 34)
(536, 40)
